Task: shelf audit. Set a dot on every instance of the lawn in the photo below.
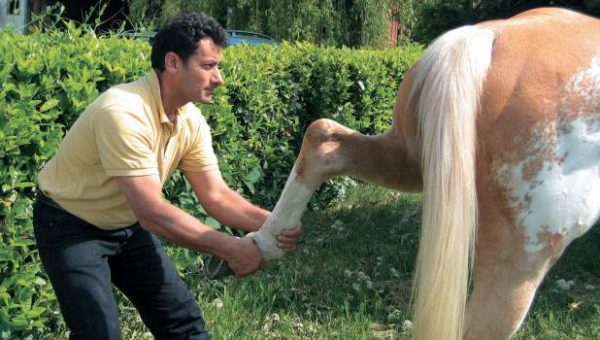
(351, 277)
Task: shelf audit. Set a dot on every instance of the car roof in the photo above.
(248, 37)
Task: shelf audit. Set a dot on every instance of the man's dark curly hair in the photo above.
(182, 34)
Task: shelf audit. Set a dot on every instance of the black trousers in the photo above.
(83, 262)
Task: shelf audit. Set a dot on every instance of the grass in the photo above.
(348, 280)
(351, 279)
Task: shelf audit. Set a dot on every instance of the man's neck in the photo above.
(171, 103)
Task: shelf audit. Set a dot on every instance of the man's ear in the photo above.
(172, 62)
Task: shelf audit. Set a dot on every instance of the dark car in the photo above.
(235, 37)
(246, 37)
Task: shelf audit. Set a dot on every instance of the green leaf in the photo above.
(19, 321)
(4, 297)
(22, 242)
(39, 281)
(252, 178)
(50, 104)
(201, 209)
(24, 185)
(250, 187)
(211, 222)
(34, 312)
(9, 87)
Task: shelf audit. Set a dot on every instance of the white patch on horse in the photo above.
(562, 201)
(585, 87)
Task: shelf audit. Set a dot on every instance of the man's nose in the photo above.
(218, 78)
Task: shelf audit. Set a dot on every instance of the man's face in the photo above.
(200, 73)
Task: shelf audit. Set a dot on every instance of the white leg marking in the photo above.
(285, 215)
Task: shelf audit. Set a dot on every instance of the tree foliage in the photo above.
(330, 22)
(351, 22)
(434, 17)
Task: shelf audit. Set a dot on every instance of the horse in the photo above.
(498, 124)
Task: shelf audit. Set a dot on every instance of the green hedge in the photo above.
(272, 93)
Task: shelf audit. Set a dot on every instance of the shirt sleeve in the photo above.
(201, 155)
(124, 143)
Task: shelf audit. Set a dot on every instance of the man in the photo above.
(100, 196)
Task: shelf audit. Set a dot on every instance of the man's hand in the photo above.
(288, 239)
(246, 258)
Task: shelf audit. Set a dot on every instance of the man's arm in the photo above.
(223, 203)
(179, 227)
(230, 208)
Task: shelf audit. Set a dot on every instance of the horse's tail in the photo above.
(447, 89)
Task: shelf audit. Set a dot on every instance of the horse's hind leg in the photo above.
(505, 279)
(501, 297)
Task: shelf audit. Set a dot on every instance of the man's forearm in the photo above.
(181, 228)
(235, 211)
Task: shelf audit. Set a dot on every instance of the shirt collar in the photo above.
(154, 85)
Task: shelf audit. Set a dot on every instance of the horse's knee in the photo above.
(321, 156)
(324, 134)
(319, 130)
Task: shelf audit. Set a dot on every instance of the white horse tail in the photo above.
(449, 82)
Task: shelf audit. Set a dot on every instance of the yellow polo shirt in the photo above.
(124, 132)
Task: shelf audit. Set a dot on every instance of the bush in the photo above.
(272, 93)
